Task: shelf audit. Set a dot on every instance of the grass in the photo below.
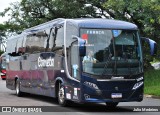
(152, 82)
(155, 61)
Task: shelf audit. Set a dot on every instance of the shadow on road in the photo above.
(75, 107)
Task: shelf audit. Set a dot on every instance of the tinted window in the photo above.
(19, 44)
(36, 43)
(71, 30)
(11, 46)
(58, 38)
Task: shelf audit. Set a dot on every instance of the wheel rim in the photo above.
(17, 88)
(61, 95)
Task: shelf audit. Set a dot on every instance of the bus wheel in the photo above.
(18, 92)
(3, 79)
(61, 96)
(111, 104)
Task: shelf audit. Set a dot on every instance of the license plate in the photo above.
(116, 95)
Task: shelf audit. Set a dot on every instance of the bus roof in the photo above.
(104, 23)
(84, 23)
(87, 23)
(79, 23)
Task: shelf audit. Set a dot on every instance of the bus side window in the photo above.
(58, 35)
(49, 42)
(28, 44)
(36, 43)
(24, 45)
(12, 47)
(20, 45)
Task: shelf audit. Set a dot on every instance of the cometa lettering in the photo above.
(45, 62)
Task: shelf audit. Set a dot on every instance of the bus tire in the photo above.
(61, 96)
(111, 104)
(3, 78)
(18, 92)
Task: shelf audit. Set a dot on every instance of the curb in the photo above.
(151, 96)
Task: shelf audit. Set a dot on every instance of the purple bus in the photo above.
(79, 60)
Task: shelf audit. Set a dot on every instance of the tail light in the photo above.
(3, 71)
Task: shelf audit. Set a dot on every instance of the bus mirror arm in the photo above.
(80, 40)
(152, 44)
(75, 37)
(81, 45)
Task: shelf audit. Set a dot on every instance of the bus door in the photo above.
(74, 70)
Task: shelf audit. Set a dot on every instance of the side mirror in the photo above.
(152, 44)
(81, 45)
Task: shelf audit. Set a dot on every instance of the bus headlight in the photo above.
(139, 79)
(92, 85)
(137, 85)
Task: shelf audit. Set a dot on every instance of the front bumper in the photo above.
(101, 100)
(106, 96)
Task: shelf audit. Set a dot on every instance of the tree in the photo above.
(29, 13)
(144, 13)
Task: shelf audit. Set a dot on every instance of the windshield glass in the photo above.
(111, 52)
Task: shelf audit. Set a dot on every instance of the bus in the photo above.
(78, 60)
(3, 66)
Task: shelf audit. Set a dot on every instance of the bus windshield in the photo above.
(111, 52)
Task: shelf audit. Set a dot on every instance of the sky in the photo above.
(4, 4)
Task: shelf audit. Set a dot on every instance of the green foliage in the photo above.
(1, 52)
(152, 82)
(29, 13)
(144, 13)
(155, 60)
(3, 29)
(147, 58)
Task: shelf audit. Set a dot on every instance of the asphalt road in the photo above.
(9, 98)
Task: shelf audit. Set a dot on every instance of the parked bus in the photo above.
(79, 60)
(3, 66)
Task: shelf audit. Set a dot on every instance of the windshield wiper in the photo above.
(129, 68)
(125, 64)
(128, 64)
